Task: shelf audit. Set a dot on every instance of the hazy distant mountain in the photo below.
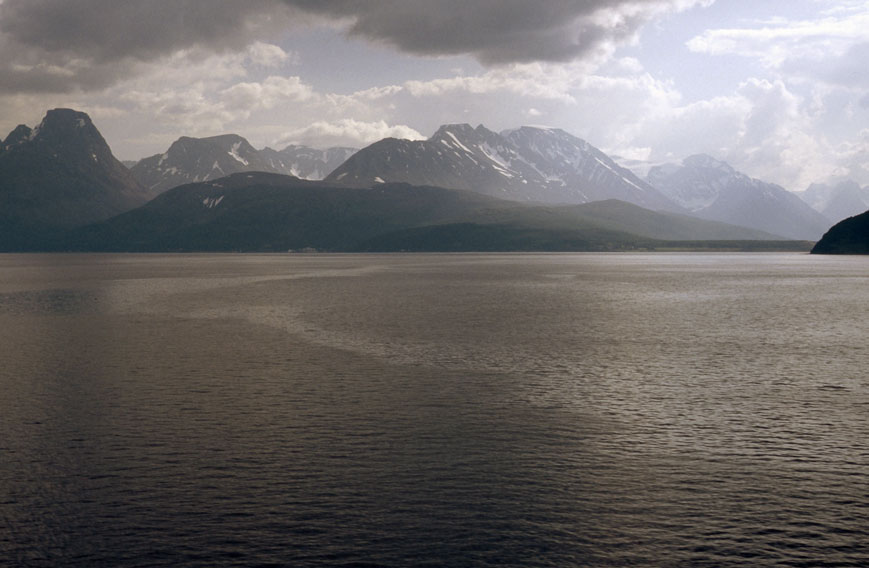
(711, 189)
(58, 175)
(190, 160)
(850, 236)
(527, 164)
(305, 162)
(837, 200)
(270, 212)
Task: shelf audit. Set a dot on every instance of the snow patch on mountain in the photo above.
(233, 152)
(212, 202)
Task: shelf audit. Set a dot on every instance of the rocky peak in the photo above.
(20, 134)
(63, 134)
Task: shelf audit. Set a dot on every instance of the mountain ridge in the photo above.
(529, 164)
(258, 211)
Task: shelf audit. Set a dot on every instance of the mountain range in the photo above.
(527, 164)
(201, 159)
(712, 189)
(465, 188)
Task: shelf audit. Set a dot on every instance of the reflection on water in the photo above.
(525, 410)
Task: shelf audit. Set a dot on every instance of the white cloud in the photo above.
(776, 42)
(269, 55)
(271, 92)
(800, 124)
(533, 80)
(346, 132)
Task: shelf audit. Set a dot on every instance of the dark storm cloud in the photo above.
(105, 30)
(493, 31)
(59, 45)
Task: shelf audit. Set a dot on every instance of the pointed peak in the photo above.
(19, 134)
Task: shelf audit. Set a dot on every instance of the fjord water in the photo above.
(442, 410)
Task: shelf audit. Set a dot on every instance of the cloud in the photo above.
(267, 94)
(832, 48)
(537, 80)
(108, 30)
(799, 121)
(62, 46)
(346, 132)
(56, 46)
(269, 55)
(497, 31)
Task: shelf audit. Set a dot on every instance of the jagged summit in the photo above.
(526, 164)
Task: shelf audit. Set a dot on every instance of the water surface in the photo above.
(443, 410)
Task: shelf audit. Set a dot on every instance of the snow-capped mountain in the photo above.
(837, 200)
(58, 175)
(190, 160)
(305, 162)
(527, 164)
(712, 189)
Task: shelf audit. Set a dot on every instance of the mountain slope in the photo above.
(850, 236)
(713, 190)
(528, 164)
(58, 175)
(270, 212)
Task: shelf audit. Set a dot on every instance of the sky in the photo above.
(777, 88)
